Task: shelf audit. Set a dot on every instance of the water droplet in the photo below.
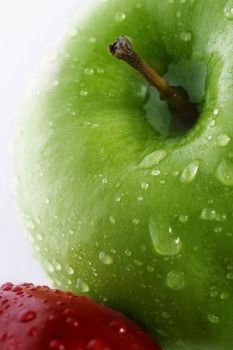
(223, 140)
(39, 237)
(224, 296)
(73, 33)
(165, 242)
(27, 316)
(128, 252)
(186, 36)
(118, 199)
(144, 185)
(57, 266)
(83, 93)
(170, 1)
(175, 280)
(32, 332)
(136, 221)
(183, 218)
(82, 286)
(230, 276)
(47, 201)
(97, 344)
(216, 112)
(120, 17)
(88, 71)
(212, 124)
(105, 180)
(105, 259)
(178, 14)
(55, 344)
(228, 10)
(153, 159)
(190, 172)
(155, 172)
(72, 321)
(55, 83)
(208, 214)
(112, 220)
(69, 270)
(213, 318)
(92, 40)
(50, 267)
(166, 315)
(224, 172)
(119, 326)
(140, 198)
(182, 1)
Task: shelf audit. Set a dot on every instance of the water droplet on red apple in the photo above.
(97, 344)
(56, 344)
(27, 316)
(119, 326)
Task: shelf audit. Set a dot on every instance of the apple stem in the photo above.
(176, 97)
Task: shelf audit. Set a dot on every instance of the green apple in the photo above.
(120, 204)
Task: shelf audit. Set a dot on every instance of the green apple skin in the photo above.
(138, 220)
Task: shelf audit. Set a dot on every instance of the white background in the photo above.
(27, 29)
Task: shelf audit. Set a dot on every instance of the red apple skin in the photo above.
(40, 318)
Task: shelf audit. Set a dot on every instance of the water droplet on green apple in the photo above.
(212, 123)
(69, 270)
(216, 112)
(140, 199)
(182, 1)
(47, 201)
(224, 172)
(175, 280)
(73, 33)
(155, 172)
(112, 220)
(228, 10)
(50, 267)
(190, 172)
(230, 276)
(150, 268)
(166, 315)
(208, 214)
(105, 258)
(183, 218)
(118, 199)
(224, 296)
(223, 140)
(55, 83)
(178, 14)
(105, 180)
(153, 159)
(57, 266)
(186, 36)
(170, 1)
(120, 17)
(92, 40)
(213, 318)
(164, 241)
(88, 71)
(82, 286)
(39, 237)
(145, 185)
(128, 252)
(83, 93)
(136, 221)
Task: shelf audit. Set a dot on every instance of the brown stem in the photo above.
(176, 97)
